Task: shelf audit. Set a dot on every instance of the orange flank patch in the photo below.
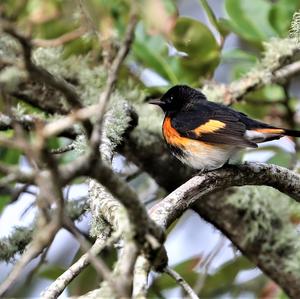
(173, 137)
(210, 127)
(270, 131)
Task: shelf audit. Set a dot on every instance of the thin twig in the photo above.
(97, 262)
(88, 18)
(206, 264)
(64, 149)
(112, 79)
(58, 286)
(287, 71)
(13, 173)
(63, 39)
(179, 279)
(42, 261)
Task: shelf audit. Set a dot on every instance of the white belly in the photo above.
(207, 156)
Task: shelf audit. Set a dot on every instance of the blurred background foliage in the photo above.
(178, 49)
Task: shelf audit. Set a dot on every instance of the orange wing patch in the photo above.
(270, 131)
(173, 138)
(210, 127)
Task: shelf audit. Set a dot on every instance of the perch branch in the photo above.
(171, 207)
(179, 279)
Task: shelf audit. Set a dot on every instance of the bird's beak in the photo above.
(156, 102)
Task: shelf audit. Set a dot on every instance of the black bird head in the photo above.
(178, 97)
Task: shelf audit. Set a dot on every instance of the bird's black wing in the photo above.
(212, 123)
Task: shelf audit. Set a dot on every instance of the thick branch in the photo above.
(36, 95)
(170, 208)
(148, 151)
(28, 122)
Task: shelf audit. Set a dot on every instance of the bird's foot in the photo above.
(202, 171)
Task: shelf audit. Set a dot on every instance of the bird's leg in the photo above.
(202, 171)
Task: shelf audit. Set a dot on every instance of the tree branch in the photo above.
(179, 279)
(65, 38)
(41, 75)
(272, 68)
(171, 207)
(28, 122)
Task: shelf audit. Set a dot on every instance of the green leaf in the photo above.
(238, 55)
(185, 269)
(224, 27)
(152, 52)
(270, 95)
(242, 62)
(195, 39)
(4, 200)
(282, 295)
(212, 18)
(250, 19)
(281, 158)
(87, 280)
(253, 110)
(224, 278)
(51, 271)
(10, 156)
(281, 15)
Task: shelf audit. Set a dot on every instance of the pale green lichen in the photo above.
(267, 214)
(98, 226)
(214, 92)
(295, 28)
(15, 243)
(275, 52)
(9, 47)
(150, 118)
(117, 119)
(80, 144)
(131, 91)
(87, 79)
(20, 236)
(11, 77)
(259, 204)
(19, 110)
(77, 208)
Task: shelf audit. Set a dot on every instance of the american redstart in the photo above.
(204, 134)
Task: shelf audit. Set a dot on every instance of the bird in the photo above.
(205, 135)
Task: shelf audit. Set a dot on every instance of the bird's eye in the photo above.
(169, 100)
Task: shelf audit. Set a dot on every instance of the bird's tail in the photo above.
(293, 133)
(280, 131)
(263, 134)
